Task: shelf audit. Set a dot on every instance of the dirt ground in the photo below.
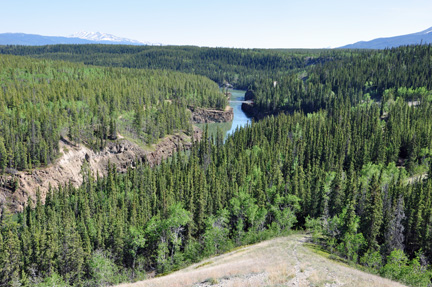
(282, 261)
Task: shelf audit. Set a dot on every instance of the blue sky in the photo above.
(222, 23)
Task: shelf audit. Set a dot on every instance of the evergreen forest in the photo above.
(43, 101)
(343, 152)
(238, 67)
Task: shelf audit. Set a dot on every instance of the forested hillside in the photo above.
(404, 72)
(42, 101)
(266, 178)
(349, 163)
(239, 67)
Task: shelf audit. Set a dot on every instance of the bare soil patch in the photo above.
(67, 169)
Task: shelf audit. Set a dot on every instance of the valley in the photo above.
(239, 118)
(120, 161)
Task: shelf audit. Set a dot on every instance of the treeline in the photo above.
(42, 101)
(355, 75)
(239, 67)
(349, 168)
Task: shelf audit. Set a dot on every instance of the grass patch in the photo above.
(238, 249)
(326, 283)
(324, 253)
(124, 125)
(342, 261)
(211, 281)
(142, 145)
(204, 264)
(174, 269)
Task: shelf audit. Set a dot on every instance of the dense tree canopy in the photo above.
(396, 72)
(239, 67)
(348, 163)
(43, 100)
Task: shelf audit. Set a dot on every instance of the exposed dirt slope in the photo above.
(278, 262)
(67, 168)
(201, 116)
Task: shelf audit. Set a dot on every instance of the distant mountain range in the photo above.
(77, 38)
(424, 37)
(103, 38)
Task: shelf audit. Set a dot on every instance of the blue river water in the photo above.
(240, 118)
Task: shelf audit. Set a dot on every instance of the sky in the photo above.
(222, 23)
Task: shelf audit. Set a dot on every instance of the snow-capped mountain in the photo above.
(427, 31)
(77, 38)
(102, 37)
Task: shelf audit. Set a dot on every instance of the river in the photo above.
(240, 118)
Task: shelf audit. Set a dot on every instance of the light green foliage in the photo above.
(314, 226)
(243, 211)
(137, 243)
(399, 268)
(54, 280)
(372, 259)
(193, 251)
(396, 267)
(283, 210)
(216, 234)
(413, 94)
(167, 235)
(351, 245)
(162, 257)
(102, 269)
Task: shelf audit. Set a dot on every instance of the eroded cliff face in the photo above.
(202, 116)
(16, 189)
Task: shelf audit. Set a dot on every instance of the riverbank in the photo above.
(240, 119)
(250, 110)
(201, 116)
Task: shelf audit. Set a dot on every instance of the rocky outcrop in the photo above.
(200, 116)
(249, 96)
(249, 110)
(171, 144)
(16, 188)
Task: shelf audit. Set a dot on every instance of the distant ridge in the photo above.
(424, 37)
(103, 37)
(77, 38)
